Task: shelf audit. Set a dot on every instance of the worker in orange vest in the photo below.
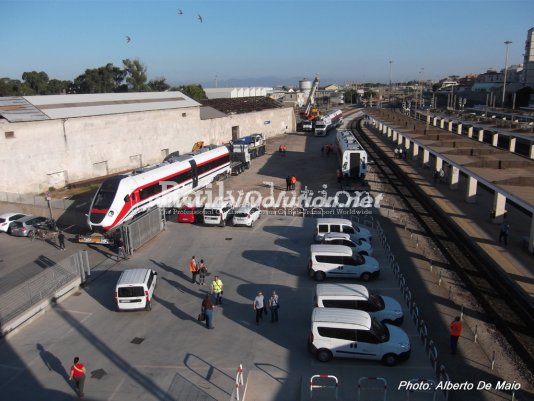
(193, 268)
(293, 181)
(456, 330)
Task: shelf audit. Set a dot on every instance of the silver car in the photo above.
(7, 218)
(26, 226)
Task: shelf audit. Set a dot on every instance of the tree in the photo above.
(106, 79)
(195, 92)
(9, 87)
(36, 81)
(136, 77)
(158, 85)
(57, 87)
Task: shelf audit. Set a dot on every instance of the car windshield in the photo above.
(377, 301)
(379, 330)
(103, 199)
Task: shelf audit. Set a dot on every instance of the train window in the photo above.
(127, 198)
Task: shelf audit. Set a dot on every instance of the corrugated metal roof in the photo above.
(207, 113)
(30, 108)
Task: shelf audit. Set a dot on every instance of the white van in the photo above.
(355, 296)
(331, 225)
(339, 261)
(357, 245)
(349, 333)
(218, 213)
(135, 289)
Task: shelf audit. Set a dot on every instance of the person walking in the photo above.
(503, 232)
(456, 330)
(202, 271)
(258, 305)
(119, 244)
(396, 153)
(61, 239)
(293, 182)
(288, 183)
(338, 175)
(207, 309)
(273, 306)
(193, 268)
(441, 176)
(217, 289)
(77, 373)
(400, 152)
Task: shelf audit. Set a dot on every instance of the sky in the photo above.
(264, 42)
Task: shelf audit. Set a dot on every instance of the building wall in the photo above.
(53, 153)
(528, 63)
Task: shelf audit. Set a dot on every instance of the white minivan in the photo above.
(358, 245)
(135, 289)
(349, 333)
(356, 296)
(335, 225)
(218, 213)
(338, 261)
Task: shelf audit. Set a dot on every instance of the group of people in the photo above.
(291, 180)
(260, 306)
(400, 153)
(282, 150)
(198, 269)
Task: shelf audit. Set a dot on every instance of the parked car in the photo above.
(360, 246)
(135, 289)
(355, 296)
(349, 333)
(246, 215)
(7, 218)
(219, 213)
(338, 261)
(335, 225)
(26, 226)
(190, 214)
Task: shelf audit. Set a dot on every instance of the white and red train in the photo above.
(122, 197)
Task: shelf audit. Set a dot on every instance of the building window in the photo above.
(10, 134)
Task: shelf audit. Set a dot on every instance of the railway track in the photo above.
(503, 302)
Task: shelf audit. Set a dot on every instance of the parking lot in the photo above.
(166, 354)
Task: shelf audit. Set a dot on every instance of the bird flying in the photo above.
(180, 12)
(128, 39)
(199, 17)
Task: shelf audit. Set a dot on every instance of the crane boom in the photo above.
(311, 97)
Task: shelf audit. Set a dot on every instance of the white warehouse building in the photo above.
(230, 93)
(57, 140)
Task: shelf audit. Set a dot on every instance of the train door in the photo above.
(194, 173)
(354, 164)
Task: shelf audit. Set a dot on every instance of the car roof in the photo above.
(217, 205)
(331, 249)
(337, 236)
(8, 215)
(245, 208)
(341, 290)
(133, 276)
(334, 221)
(26, 218)
(343, 316)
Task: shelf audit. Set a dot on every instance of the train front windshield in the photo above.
(106, 194)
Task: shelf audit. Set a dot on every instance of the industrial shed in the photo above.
(53, 141)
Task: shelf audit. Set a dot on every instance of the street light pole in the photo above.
(505, 70)
(390, 62)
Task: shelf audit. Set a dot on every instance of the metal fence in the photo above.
(35, 200)
(142, 229)
(42, 287)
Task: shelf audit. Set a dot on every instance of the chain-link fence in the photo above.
(42, 287)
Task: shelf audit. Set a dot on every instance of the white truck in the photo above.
(253, 144)
(325, 122)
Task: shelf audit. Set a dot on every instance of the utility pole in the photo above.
(505, 70)
(390, 62)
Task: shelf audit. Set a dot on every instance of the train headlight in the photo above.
(111, 213)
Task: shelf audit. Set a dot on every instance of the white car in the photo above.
(218, 213)
(246, 215)
(360, 246)
(7, 218)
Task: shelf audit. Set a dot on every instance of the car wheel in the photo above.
(31, 235)
(9, 230)
(148, 306)
(251, 223)
(319, 276)
(365, 277)
(389, 359)
(223, 223)
(323, 355)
